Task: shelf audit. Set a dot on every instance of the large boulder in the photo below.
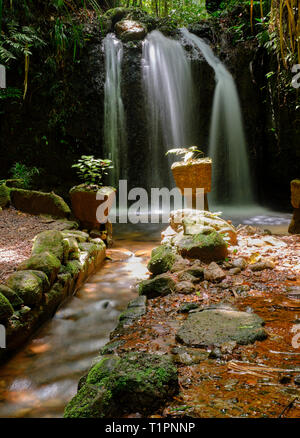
(130, 30)
(217, 326)
(4, 196)
(29, 285)
(45, 262)
(190, 222)
(205, 247)
(6, 309)
(135, 382)
(294, 227)
(11, 295)
(49, 241)
(162, 259)
(161, 285)
(34, 202)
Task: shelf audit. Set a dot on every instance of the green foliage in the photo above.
(21, 171)
(91, 170)
(191, 153)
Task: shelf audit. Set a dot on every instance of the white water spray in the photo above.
(115, 136)
(227, 147)
(169, 94)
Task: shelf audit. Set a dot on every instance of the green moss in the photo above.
(29, 286)
(49, 241)
(73, 267)
(6, 309)
(203, 246)
(11, 295)
(134, 382)
(35, 202)
(159, 286)
(162, 259)
(4, 196)
(45, 262)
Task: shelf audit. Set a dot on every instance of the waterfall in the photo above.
(231, 180)
(115, 136)
(169, 100)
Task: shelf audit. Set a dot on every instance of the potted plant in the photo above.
(84, 200)
(193, 171)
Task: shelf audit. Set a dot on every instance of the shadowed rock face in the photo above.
(217, 326)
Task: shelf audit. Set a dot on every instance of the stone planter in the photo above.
(195, 174)
(85, 204)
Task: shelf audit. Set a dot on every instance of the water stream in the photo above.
(231, 179)
(114, 116)
(43, 376)
(170, 102)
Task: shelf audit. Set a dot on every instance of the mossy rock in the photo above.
(71, 249)
(80, 236)
(49, 241)
(4, 196)
(117, 14)
(119, 385)
(16, 183)
(6, 309)
(162, 259)
(45, 262)
(29, 285)
(205, 247)
(11, 295)
(73, 267)
(91, 248)
(33, 202)
(161, 285)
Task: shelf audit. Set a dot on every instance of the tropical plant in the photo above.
(25, 173)
(91, 170)
(189, 154)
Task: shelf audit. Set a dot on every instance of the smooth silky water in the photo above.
(115, 136)
(42, 377)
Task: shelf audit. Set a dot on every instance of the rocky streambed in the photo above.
(213, 338)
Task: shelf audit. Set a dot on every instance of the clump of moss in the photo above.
(45, 262)
(11, 295)
(29, 285)
(136, 381)
(162, 259)
(6, 309)
(49, 241)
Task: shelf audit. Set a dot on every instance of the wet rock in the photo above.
(205, 247)
(162, 259)
(184, 287)
(234, 271)
(29, 285)
(130, 30)
(135, 309)
(80, 236)
(214, 273)
(260, 266)
(189, 356)
(239, 263)
(187, 276)
(117, 14)
(11, 295)
(187, 307)
(218, 326)
(111, 347)
(71, 249)
(45, 262)
(6, 309)
(180, 264)
(49, 241)
(4, 196)
(161, 285)
(135, 382)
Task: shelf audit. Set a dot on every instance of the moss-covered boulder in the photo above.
(45, 262)
(205, 247)
(6, 309)
(119, 385)
(11, 295)
(161, 285)
(71, 249)
(49, 241)
(130, 30)
(162, 259)
(29, 285)
(117, 14)
(4, 196)
(33, 202)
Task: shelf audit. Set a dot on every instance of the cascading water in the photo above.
(115, 136)
(169, 94)
(227, 147)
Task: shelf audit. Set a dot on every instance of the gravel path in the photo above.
(17, 231)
